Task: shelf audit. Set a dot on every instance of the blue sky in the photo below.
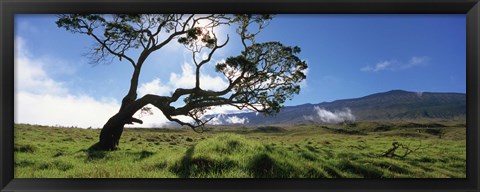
(348, 55)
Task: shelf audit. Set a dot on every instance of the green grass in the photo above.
(303, 151)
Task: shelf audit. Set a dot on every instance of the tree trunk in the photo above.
(110, 134)
(112, 130)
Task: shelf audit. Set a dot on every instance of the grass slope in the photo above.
(303, 151)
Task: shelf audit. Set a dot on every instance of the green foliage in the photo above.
(196, 34)
(306, 151)
(271, 73)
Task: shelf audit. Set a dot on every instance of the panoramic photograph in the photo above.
(240, 96)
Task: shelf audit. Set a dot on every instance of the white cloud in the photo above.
(323, 115)
(222, 119)
(237, 120)
(187, 79)
(225, 109)
(378, 67)
(154, 87)
(184, 80)
(39, 99)
(393, 65)
(70, 110)
(416, 61)
(30, 75)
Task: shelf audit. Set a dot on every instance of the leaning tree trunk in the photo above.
(112, 130)
(110, 134)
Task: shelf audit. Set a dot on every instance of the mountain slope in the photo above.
(391, 105)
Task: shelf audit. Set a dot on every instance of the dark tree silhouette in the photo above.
(260, 78)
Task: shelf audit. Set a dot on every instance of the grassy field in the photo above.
(357, 150)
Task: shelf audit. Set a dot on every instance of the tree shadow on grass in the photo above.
(183, 168)
(193, 166)
(93, 153)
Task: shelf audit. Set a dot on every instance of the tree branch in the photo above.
(103, 45)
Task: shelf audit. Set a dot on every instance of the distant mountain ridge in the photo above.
(390, 105)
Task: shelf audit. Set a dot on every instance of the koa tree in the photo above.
(261, 77)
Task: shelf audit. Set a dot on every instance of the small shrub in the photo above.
(395, 146)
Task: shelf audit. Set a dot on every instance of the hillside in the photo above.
(386, 106)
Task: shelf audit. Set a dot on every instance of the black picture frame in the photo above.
(8, 8)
